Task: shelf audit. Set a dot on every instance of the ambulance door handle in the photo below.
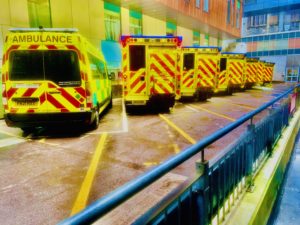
(142, 78)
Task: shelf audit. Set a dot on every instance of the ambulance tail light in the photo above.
(178, 40)
(89, 100)
(4, 97)
(124, 40)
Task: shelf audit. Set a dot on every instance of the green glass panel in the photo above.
(135, 14)
(112, 7)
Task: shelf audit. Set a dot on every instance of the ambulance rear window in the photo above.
(137, 57)
(58, 66)
(223, 64)
(188, 61)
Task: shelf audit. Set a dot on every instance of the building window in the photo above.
(256, 24)
(291, 20)
(228, 12)
(197, 3)
(39, 13)
(171, 29)
(135, 23)
(206, 39)
(112, 21)
(238, 9)
(273, 22)
(206, 6)
(196, 38)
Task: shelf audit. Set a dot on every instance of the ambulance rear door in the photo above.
(162, 68)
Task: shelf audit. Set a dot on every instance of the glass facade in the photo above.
(112, 22)
(196, 38)
(39, 13)
(271, 31)
(171, 29)
(135, 22)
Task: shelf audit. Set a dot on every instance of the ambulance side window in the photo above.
(137, 57)
(102, 70)
(94, 66)
(223, 62)
(188, 61)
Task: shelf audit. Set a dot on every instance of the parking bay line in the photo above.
(211, 112)
(179, 130)
(83, 195)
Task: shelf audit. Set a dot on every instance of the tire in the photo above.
(110, 104)
(95, 123)
(28, 129)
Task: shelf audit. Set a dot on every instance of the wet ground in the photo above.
(47, 175)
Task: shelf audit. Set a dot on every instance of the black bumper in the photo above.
(47, 119)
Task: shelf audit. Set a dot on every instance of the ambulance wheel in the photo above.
(229, 90)
(27, 129)
(110, 104)
(95, 122)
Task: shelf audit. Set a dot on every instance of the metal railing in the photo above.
(216, 186)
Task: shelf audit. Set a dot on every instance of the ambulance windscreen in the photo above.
(61, 67)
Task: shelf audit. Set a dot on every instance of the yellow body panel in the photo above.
(30, 96)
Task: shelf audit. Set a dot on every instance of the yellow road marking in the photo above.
(147, 164)
(84, 192)
(185, 135)
(176, 148)
(10, 134)
(214, 113)
(244, 106)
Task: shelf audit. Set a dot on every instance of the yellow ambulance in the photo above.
(199, 67)
(149, 70)
(231, 72)
(53, 76)
(250, 71)
(268, 72)
(260, 72)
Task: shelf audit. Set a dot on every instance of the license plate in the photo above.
(25, 102)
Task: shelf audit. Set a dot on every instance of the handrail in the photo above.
(105, 204)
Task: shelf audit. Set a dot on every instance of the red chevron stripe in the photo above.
(69, 98)
(29, 92)
(136, 81)
(33, 47)
(189, 84)
(207, 66)
(141, 88)
(51, 47)
(54, 102)
(11, 48)
(42, 98)
(124, 56)
(163, 88)
(81, 91)
(213, 63)
(170, 59)
(161, 62)
(10, 92)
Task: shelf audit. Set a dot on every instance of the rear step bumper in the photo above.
(47, 119)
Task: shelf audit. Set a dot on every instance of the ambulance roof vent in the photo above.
(41, 29)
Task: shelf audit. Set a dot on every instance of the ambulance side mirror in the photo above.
(111, 76)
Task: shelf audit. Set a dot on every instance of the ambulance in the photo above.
(53, 76)
(149, 70)
(199, 67)
(260, 72)
(268, 72)
(250, 71)
(231, 72)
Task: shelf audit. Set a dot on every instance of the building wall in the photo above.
(187, 35)
(271, 31)
(216, 15)
(125, 21)
(153, 26)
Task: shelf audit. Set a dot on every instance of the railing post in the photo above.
(271, 127)
(250, 157)
(201, 193)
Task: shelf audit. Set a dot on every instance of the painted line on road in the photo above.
(83, 195)
(10, 141)
(214, 113)
(179, 130)
(244, 106)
